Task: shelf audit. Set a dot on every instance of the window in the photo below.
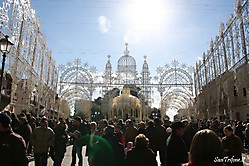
(235, 91)
(244, 91)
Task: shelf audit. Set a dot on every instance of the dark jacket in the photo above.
(176, 151)
(161, 137)
(152, 136)
(239, 132)
(12, 149)
(234, 146)
(61, 139)
(140, 157)
(81, 139)
(25, 131)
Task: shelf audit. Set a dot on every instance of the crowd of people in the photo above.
(119, 143)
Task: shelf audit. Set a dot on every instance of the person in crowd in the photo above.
(92, 138)
(42, 138)
(119, 135)
(166, 125)
(102, 126)
(206, 149)
(32, 124)
(24, 130)
(152, 136)
(161, 138)
(239, 131)
(247, 137)
(130, 132)
(15, 121)
(176, 149)
(107, 151)
(187, 135)
(122, 125)
(60, 145)
(128, 147)
(232, 147)
(140, 155)
(141, 128)
(12, 146)
(78, 136)
(221, 130)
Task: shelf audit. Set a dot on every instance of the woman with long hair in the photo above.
(206, 149)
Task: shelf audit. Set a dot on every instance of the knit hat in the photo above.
(5, 119)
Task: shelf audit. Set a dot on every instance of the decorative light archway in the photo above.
(76, 81)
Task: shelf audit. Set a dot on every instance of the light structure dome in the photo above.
(127, 66)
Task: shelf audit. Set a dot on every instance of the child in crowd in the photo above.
(129, 147)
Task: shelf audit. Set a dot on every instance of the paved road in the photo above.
(67, 158)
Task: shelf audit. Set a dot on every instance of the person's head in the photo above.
(141, 141)
(166, 122)
(185, 122)
(103, 123)
(120, 122)
(239, 123)
(151, 123)
(128, 122)
(93, 126)
(109, 130)
(206, 146)
(157, 121)
(5, 122)
(228, 131)
(178, 128)
(129, 145)
(77, 121)
(168, 130)
(62, 124)
(23, 120)
(141, 125)
(117, 128)
(44, 122)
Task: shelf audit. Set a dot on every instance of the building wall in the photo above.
(225, 97)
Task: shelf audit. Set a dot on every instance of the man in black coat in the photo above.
(161, 136)
(60, 144)
(232, 147)
(24, 130)
(176, 149)
(12, 146)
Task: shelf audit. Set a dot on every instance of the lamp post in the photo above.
(5, 46)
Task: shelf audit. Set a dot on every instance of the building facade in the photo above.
(221, 77)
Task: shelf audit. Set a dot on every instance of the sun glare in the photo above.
(147, 14)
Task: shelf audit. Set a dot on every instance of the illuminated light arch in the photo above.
(175, 86)
(76, 82)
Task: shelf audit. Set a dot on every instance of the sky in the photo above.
(163, 30)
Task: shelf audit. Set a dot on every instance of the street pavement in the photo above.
(67, 158)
